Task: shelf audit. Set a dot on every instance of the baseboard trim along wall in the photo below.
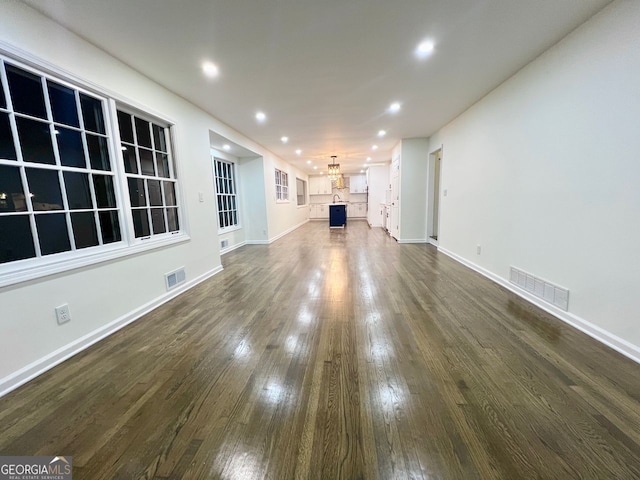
(29, 372)
(618, 344)
(288, 231)
(412, 240)
(232, 248)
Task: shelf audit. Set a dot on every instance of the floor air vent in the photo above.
(550, 293)
(175, 278)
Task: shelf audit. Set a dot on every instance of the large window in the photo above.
(150, 175)
(301, 191)
(226, 191)
(63, 177)
(56, 171)
(282, 185)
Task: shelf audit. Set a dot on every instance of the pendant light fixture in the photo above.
(333, 168)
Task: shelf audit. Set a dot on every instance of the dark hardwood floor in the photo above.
(337, 354)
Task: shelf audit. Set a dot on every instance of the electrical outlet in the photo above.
(444, 193)
(478, 249)
(200, 197)
(62, 314)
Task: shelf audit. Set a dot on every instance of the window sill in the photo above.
(64, 265)
(222, 231)
(283, 201)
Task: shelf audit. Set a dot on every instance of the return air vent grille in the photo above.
(224, 243)
(547, 291)
(175, 278)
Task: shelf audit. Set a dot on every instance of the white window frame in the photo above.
(172, 178)
(36, 267)
(235, 194)
(282, 186)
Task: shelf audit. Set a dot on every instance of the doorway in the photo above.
(433, 215)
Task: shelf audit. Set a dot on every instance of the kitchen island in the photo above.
(337, 215)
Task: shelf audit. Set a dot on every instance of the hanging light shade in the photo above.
(333, 168)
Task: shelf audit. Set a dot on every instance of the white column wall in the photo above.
(543, 173)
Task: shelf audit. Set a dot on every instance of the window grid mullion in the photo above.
(32, 219)
(168, 141)
(153, 150)
(94, 203)
(136, 148)
(85, 143)
(12, 118)
(67, 211)
(148, 202)
(164, 208)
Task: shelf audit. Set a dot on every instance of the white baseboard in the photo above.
(412, 240)
(232, 248)
(286, 232)
(257, 242)
(618, 344)
(22, 376)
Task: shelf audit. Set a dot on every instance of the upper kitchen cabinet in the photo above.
(358, 184)
(319, 186)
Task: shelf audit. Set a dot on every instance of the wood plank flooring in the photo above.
(337, 354)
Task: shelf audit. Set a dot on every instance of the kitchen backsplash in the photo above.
(344, 194)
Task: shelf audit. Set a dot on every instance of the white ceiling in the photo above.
(325, 71)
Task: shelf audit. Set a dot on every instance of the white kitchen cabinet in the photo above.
(313, 211)
(357, 184)
(319, 186)
(356, 210)
(323, 211)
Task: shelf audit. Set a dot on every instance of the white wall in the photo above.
(118, 290)
(283, 217)
(543, 172)
(414, 157)
(378, 183)
(253, 197)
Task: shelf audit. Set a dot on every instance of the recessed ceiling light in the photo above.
(284, 139)
(382, 133)
(374, 147)
(425, 49)
(298, 152)
(361, 171)
(394, 107)
(368, 159)
(315, 168)
(308, 162)
(261, 117)
(226, 147)
(210, 69)
(321, 173)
